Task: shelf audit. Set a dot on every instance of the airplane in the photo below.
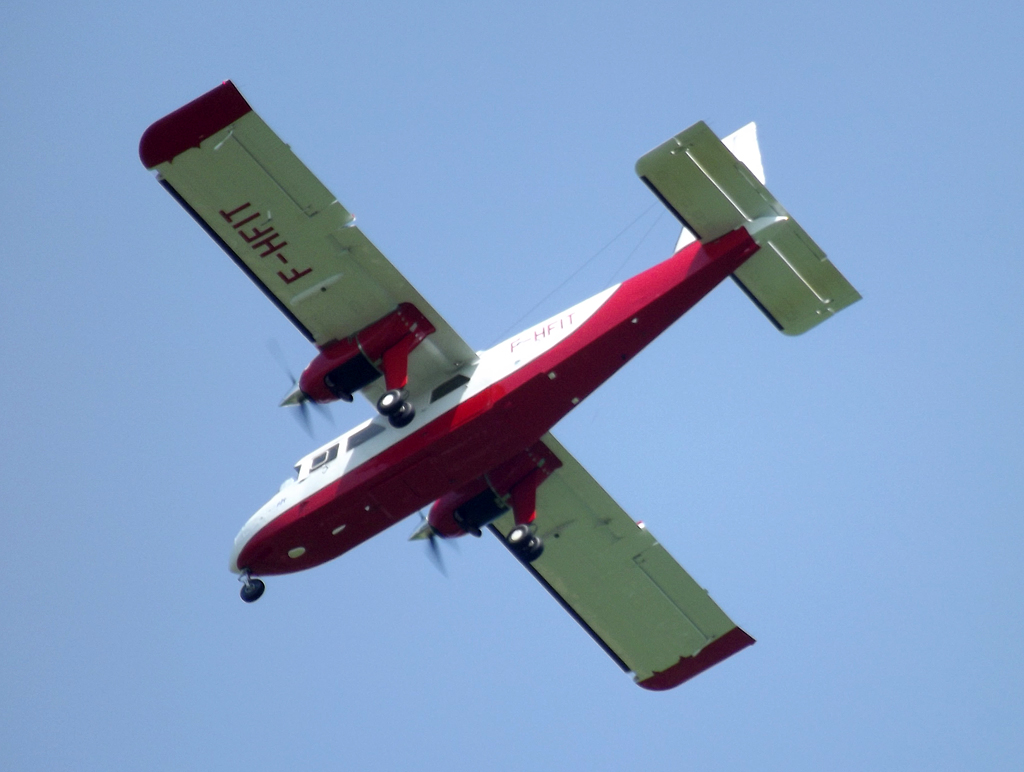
(468, 433)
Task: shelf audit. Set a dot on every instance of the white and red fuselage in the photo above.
(481, 429)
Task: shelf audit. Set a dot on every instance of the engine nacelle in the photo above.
(512, 485)
(344, 367)
(466, 510)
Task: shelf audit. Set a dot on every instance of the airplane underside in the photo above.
(468, 433)
(464, 447)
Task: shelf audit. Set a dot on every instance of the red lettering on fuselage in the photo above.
(543, 331)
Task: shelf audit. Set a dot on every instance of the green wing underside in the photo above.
(297, 242)
(611, 574)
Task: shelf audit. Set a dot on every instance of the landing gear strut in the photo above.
(252, 589)
(525, 543)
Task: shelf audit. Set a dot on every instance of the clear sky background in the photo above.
(852, 498)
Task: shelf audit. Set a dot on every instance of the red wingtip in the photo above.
(687, 667)
(187, 126)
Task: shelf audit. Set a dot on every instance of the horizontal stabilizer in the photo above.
(712, 192)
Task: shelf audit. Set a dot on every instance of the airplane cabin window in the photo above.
(448, 387)
(357, 439)
(322, 458)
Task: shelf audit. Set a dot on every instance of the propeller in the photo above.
(296, 397)
(426, 531)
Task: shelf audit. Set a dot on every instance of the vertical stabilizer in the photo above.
(742, 143)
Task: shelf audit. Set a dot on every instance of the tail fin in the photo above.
(715, 186)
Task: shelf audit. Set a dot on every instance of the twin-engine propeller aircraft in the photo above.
(469, 431)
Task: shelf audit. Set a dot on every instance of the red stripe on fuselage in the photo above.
(499, 422)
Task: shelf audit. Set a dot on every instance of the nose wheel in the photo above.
(252, 589)
(525, 543)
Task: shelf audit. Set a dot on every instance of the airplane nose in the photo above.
(236, 550)
(244, 536)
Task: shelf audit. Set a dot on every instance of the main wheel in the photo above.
(524, 543)
(403, 415)
(519, 537)
(532, 550)
(391, 402)
(252, 590)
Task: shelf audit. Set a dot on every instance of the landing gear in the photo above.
(252, 589)
(403, 416)
(525, 543)
(396, 407)
(391, 402)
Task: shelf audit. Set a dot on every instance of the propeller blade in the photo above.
(302, 415)
(322, 410)
(435, 555)
(275, 351)
(426, 531)
(296, 397)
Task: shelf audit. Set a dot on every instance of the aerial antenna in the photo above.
(574, 274)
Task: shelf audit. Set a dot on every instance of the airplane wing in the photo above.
(622, 586)
(712, 192)
(284, 229)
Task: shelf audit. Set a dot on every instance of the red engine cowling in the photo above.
(512, 485)
(465, 510)
(382, 348)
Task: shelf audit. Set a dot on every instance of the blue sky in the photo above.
(852, 497)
